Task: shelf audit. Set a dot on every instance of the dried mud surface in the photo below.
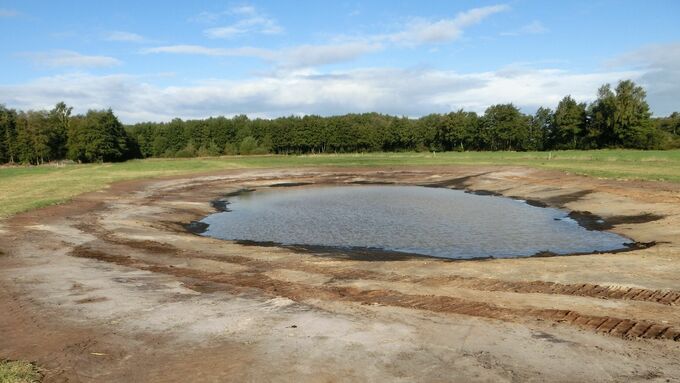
(112, 287)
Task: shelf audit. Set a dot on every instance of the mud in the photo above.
(593, 222)
(347, 253)
(112, 287)
(289, 184)
(196, 227)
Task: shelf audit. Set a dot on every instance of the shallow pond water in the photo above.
(412, 219)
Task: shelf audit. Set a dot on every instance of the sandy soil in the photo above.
(112, 288)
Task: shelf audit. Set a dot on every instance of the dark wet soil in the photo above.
(346, 253)
(594, 222)
(289, 184)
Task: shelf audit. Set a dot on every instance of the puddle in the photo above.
(407, 219)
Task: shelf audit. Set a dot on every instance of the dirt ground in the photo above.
(112, 288)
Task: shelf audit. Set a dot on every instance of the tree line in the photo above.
(618, 118)
(36, 137)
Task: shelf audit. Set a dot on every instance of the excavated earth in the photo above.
(112, 287)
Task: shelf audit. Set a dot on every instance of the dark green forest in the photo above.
(618, 118)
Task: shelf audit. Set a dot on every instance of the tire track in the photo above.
(664, 297)
(242, 282)
(659, 296)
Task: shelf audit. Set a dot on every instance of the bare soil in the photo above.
(112, 287)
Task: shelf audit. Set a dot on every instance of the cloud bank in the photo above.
(386, 90)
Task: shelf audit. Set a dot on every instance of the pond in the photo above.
(436, 222)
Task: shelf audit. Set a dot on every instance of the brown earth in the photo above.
(111, 287)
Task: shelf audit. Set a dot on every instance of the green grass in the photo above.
(18, 372)
(26, 188)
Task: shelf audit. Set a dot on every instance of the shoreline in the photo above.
(585, 219)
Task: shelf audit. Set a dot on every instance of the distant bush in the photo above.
(211, 150)
(188, 151)
(248, 145)
(231, 149)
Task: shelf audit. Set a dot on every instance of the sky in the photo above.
(158, 60)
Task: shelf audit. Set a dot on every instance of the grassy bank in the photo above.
(25, 188)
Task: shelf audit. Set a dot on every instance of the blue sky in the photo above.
(158, 60)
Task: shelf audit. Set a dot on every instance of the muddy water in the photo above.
(412, 219)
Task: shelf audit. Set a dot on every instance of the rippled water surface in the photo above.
(430, 221)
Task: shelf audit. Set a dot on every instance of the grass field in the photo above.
(18, 372)
(25, 188)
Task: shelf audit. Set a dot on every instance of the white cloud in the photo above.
(422, 31)
(387, 90)
(224, 32)
(187, 49)
(298, 56)
(314, 55)
(4, 12)
(341, 49)
(248, 21)
(65, 58)
(207, 51)
(210, 17)
(255, 24)
(125, 37)
(206, 17)
(243, 10)
(533, 28)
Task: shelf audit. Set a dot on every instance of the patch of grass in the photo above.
(26, 188)
(18, 372)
